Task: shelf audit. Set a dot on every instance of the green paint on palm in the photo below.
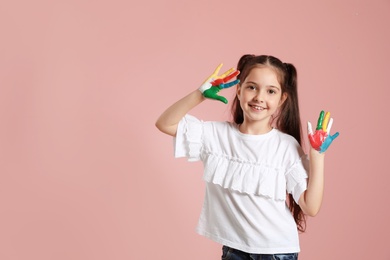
(212, 93)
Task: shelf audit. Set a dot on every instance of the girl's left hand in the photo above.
(321, 139)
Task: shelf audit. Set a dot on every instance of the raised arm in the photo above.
(168, 121)
(311, 200)
(170, 118)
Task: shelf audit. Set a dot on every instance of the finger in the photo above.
(230, 84)
(220, 81)
(229, 77)
(320, 120)
(215, 73)
(334, 136)
(325, 122)
(215, 96)
(221, 98)
(226, 73)
(329, 125)
(309, 128)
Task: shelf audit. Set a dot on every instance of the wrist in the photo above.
(316, 154)
(199, 94)
(205, 86)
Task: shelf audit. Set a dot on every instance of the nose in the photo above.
(259, 96)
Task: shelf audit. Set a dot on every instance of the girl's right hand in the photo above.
(214, 83)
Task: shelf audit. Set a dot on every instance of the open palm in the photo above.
(321, 139)
(215, 83)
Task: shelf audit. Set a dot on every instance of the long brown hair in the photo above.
(288, 119)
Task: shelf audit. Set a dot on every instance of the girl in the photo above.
(252, 163)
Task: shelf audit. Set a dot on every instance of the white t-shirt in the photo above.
(247, 177)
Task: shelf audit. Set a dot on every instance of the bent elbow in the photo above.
(158, 125)
(312, 212)
(169, 130)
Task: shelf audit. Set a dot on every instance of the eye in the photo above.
(271, 91)
(251, 87)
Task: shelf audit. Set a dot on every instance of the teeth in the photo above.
(257, 107)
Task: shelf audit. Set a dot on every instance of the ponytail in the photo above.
(289, 122)
(243, 61)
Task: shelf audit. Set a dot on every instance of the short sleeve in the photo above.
(188, 140)
(296, 178)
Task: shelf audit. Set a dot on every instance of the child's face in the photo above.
(260, 95)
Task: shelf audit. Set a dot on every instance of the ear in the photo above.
(283, 99)
(238, 91)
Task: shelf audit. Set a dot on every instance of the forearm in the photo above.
(311, 200)
(170, 118)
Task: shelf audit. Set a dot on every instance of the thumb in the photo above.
(334, 136)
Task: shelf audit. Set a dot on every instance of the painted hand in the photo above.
(215, 83)
(321, 139)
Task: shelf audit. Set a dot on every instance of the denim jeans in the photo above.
(234, 254)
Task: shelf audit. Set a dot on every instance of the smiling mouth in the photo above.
(258, 108)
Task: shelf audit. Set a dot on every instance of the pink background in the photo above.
(86, 175)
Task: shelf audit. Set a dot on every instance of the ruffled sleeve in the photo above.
(188, 140)
(296, 178)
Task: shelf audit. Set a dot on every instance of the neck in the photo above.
(254, 128)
